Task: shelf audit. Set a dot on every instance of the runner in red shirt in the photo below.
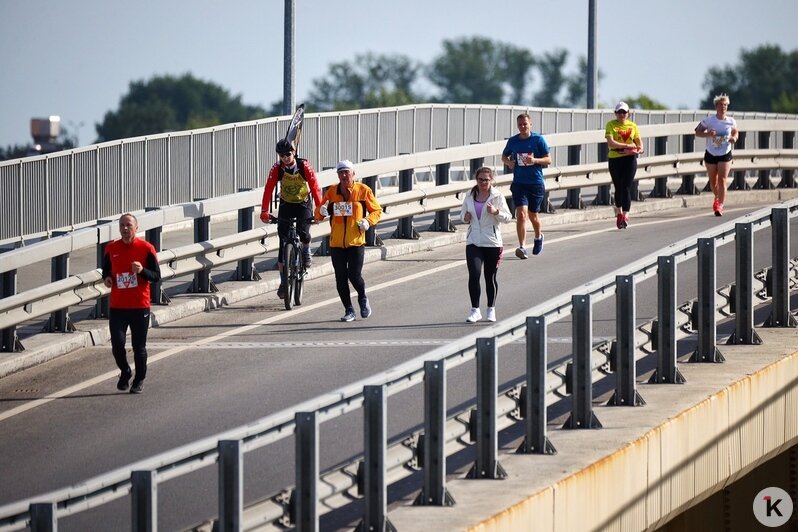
(130, 264)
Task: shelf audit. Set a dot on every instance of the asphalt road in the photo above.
(225, 368)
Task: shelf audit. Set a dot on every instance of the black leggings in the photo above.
(622, 171)
(348, 266)
(477, 259)
(138, 319)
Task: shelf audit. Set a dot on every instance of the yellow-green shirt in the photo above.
(623, 133)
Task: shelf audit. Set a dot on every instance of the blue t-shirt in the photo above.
(521, 150)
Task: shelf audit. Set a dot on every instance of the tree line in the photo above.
(468, 70)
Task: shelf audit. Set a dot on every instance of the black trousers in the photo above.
(622, 172)
(138, 320)
(477, 259)
(348, 266)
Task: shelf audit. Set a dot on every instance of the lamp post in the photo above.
(289, 92)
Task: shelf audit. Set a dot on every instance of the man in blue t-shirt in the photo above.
(526, 154)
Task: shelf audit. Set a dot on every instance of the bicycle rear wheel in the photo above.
(291, 258)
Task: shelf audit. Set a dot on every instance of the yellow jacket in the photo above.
(344, 215)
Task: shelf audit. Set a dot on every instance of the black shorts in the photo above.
(715, 159)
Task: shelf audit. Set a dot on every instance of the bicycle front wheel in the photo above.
(299, 289)
(291, 258)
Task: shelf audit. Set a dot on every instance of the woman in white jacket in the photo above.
(484, 209)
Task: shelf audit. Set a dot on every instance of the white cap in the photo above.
(622, 106)
(346, 164)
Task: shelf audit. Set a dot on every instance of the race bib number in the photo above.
(127, 280)
(342, 208)
(524, 159)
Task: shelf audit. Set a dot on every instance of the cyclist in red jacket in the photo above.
(297, 184)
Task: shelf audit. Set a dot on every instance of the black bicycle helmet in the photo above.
(284, 146)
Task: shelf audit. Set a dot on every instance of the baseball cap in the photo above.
(346, 164)
(622, 106)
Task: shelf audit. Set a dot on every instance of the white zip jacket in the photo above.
(485, 232)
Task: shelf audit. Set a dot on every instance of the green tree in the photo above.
(369, 81)
(479, 70)
(763, 80)
(167, 103)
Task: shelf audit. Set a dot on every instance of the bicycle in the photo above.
(293, 265)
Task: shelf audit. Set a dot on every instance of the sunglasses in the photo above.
(621, 112)
(484, 180)
(289, 154)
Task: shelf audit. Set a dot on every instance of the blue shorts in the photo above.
(531, 196)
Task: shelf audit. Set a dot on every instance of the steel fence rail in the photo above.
(402, 457)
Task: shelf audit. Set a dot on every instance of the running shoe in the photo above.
(124, 379)
(349, 316)
(490, 315)
(520, 252)
(365, 308)
(307, 258)
(619, 221)
(137, 387)
(715, 206)
(719, 210)
(475, 315)
(625, 220)
(537, 245)
(281, 291)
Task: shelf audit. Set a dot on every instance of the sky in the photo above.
(76, 58)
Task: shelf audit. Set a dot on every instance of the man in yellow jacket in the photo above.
(353, 209)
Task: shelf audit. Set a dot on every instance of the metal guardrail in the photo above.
(201, 257)
(530, 393)
(108, 179)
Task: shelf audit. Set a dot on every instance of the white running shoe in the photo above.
(475, 315)
(491, 314)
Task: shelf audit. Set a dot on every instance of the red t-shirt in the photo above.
(129, 290)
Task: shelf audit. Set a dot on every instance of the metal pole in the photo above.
(744, 332)
(144, 491)
(582, 416)
(780, 270)
(487, 437)
(665, 325)
(625, 373)
(289, 97)
(534, 402)
(231, 485)
(375, 489)
(592, 70)
(307, 471)
(707, 350)
(433, 452)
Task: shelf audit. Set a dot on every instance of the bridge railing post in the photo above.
(738, 181)
(375, 489)
(8, 336)
(743, 297)
(625, 374)
(371, 235)
(484, 423)
(764, 182)
(582, 416)
(306, 509)
(442, 221)
(664, 327)
(603, 196)
(433, 452)
(707, 350)
(231, 485)
(661, 189)
(533, 398)
(154, 237)
(202, 283)
(102, 304)
(780, 315)
(688, 187)
(573, 199)
(59, 320)
(245, 269)
(788, 174)
(405, 227)
(144, 503)
(43, 517)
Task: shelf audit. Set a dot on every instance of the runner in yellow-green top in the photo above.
(623, 140)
